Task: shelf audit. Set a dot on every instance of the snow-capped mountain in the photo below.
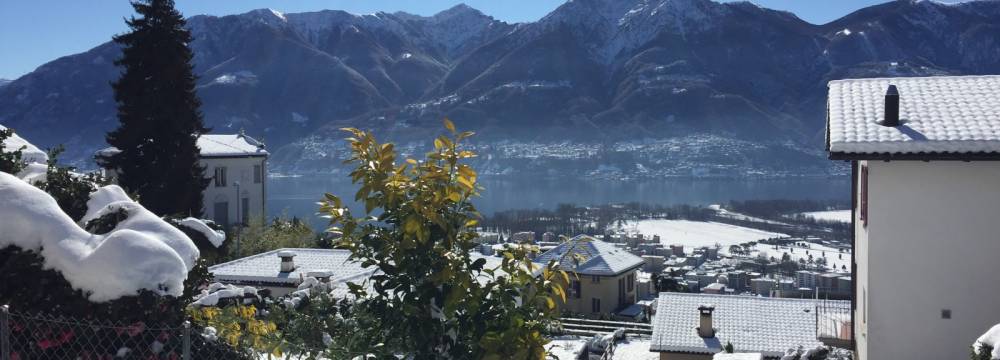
(616, 76)
(4, 82)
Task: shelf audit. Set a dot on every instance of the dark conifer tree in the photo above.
(159, 114)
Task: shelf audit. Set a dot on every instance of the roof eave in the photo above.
(234, 156)
(977, 156)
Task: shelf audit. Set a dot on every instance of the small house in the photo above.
(602, 276)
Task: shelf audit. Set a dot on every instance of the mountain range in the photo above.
(607, 88)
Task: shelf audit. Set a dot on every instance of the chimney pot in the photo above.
(287, 261)
(705, 326)
(891, 118)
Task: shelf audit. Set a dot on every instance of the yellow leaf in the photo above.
(438, 144)
(449, 125)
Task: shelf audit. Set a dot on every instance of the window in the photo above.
(595, 279)
(575, 288)
(257, 175)
(220, 176)
(245, 211)
(595, 305)
(631, 282)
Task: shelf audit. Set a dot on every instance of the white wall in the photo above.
(241, 170)
(860, 252)
(932, 243)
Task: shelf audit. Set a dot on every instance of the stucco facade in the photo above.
(605, 290)
(222, 204)
(926, 251)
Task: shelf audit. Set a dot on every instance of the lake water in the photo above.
(297, 196)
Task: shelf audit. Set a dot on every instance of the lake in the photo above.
(297, 196)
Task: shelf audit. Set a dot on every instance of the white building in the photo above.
(237, 167)
(926, 187)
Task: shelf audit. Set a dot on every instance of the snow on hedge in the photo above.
(142, 252)
(216, 237)
(29, 152)
(990, 338)
(111, 198)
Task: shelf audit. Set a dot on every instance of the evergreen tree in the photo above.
(159, 114)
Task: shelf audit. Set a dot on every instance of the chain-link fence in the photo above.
(25, 336)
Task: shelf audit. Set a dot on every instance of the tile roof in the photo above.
(752, 324)
(265, 267)
(940, 115)
(596, 257)
(230, 145)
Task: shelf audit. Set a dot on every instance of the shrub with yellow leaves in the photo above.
(433, 299)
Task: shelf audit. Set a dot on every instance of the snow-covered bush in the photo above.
(143, 252)
(11, 153)
(986, 346)
(206, 234)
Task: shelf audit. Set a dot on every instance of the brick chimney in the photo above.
(705, 328)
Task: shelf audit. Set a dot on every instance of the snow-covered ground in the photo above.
(835, 259)
(566, 347)
(694, 234)
(633, 348)
(843, 216)
(741, 217)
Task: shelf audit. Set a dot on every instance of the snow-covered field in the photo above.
(843, 216)
(742, 217)
(836, 260)
(694, 234)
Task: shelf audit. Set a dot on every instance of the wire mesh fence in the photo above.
(26, 336)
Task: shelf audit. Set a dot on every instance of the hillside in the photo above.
(596, 88)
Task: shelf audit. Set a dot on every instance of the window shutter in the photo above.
(864, 195)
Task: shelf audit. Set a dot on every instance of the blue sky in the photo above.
(33, 32)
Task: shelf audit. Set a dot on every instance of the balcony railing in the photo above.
(833, 324)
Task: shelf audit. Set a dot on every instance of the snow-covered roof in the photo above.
(737, 356)
(227, 145)
(30, 153)
(752, 324)
(217, 145)
(956, 115)
(265, 267)
(595, 257)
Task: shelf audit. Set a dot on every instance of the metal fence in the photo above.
(26, 336)
(834, 325)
